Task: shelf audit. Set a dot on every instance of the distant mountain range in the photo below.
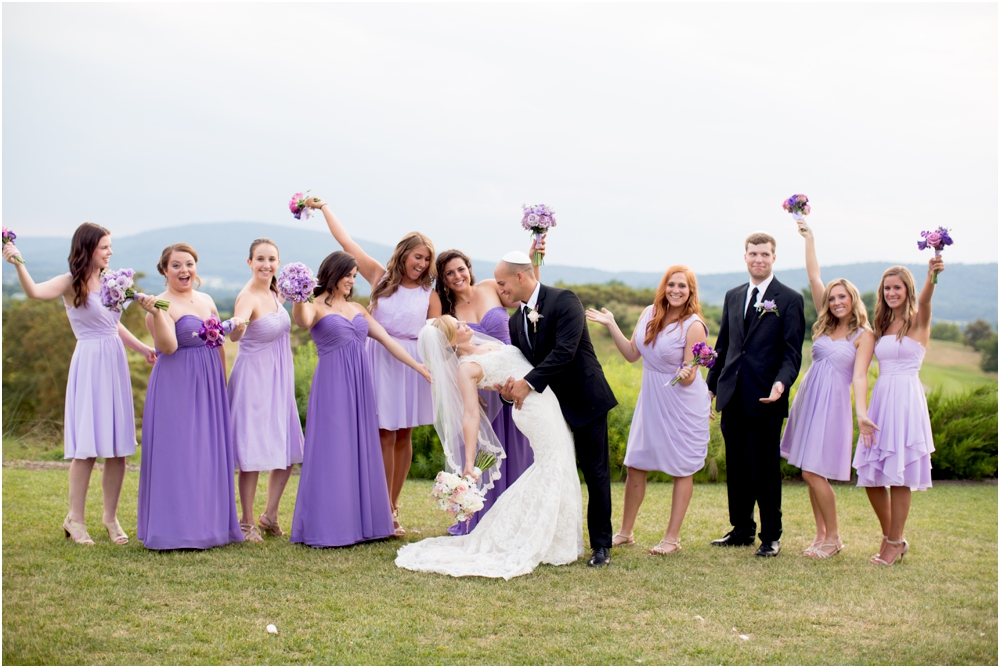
(966, 292)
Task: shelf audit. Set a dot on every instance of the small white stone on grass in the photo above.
(699, 618)
(743, 637)
(271, 628)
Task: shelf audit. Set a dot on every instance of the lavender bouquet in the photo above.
(297, 205)
(937, 240)
(118, 290)
(798, 206)
(213, 332)
(538, 219)
(703, 356)
(296, 283)
(8, 237)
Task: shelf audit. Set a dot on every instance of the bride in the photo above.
(539, 518)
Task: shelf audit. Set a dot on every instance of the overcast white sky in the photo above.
(659, 133)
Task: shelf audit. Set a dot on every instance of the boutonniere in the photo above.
(533, 319)
(767, 306)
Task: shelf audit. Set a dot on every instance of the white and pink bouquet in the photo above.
(798, 206)
(703, 356)
(297, 205)
(118, 290)
(538, 219)
(213, 332)
(937, 240)
(458, 495)
(296, 283)
(8, 237)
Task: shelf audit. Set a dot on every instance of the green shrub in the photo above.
(428, 456)
(946, 331)
(965, 433)
(304, 361)
(988, 347)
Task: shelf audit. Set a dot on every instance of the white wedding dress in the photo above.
(538, 519)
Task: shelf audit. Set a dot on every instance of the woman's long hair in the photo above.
(883, 314)
(396, 268)
(658, 320)
(827, 322)
(253, 247)
(444, 292)
(81, 259)
(334, 267)
(161, 266)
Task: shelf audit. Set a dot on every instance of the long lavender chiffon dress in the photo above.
(670, 423)
(818, 433)
(186, 491)
(343, 498)
(267, 434)
(901, 456)
(403, 397)
(100, 416)
(515, 444)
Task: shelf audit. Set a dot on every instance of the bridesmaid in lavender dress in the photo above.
(898, 456)
(100, 417)
(186, 495)
(819, 430)
(267, 434)
(480, 306)
(401, 301)
(670, 424)
(343, 498)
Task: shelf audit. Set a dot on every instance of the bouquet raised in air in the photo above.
(538, 219)
(8, 237)
(798, 206)
(296, 283)
(118, 290)
(458, 495)
(937, 240)
(213, 331)
(297, 205)
(703, 356)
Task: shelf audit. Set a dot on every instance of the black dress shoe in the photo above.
(601, 557)
(734, 539)
(771, 549)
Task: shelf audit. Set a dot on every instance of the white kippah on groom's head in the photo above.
(516, 257)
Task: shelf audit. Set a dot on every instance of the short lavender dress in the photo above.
(670, 423)
(901, 456)
(187, 497)
(515, 444)
(100, 416)
(402, 395)
(267, 434)
(818, 433)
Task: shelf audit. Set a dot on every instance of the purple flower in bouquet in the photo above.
(8, 237)
(297, 205)
(118, 290)
(704, 356)
(296, 283)
(538, 219)
(213, 332)
(798, 206)
(937, 240)
(767, 306)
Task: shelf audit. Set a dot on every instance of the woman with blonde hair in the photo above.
(818, 434)
(670, 423)
(898, 456)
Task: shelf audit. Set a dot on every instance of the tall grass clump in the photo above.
(965, 433)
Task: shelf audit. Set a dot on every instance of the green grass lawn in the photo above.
(64, 604)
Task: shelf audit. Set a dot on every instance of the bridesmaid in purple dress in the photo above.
(100, 417)
(400, 302)
(670, 425)
(480, 306)
(343, 498)
(186, 495)
(896, 442)
(267, 434)
(819, 430)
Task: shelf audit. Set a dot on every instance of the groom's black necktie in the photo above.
(527, 326)
(751, 309)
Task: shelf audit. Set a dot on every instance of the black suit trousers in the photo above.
(592, 457)
(753, 468)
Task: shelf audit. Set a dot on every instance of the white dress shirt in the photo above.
(532, 300)
(761, 289)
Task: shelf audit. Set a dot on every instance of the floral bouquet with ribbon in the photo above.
(538, 219)
(704, 356)
(458, 495)
(8, 237)
(118, 290)
(937, 240)
(798, 206)
(297, 205)
(296, 283)
(213, 331)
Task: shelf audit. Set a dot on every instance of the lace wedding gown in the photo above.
(539, 519)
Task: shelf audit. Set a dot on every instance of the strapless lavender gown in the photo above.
(818, 434)
(186, 491)
(343, 498)
(100, 416)
(515, 444)
(901, 456)
(267, 434)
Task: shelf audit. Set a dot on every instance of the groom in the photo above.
(550, 329)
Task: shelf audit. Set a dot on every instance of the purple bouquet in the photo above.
(8, 237)
(937, 240)
(798, 206)
(296, 283)
(538, 219)
(703, 356)
(118, 290)
(297, 205)
(213, 332)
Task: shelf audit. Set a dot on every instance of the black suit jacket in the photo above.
(563, 356)
(770, 351)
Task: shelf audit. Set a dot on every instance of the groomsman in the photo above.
(760, 350)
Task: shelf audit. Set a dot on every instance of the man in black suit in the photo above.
(760, 352)
(549, 327)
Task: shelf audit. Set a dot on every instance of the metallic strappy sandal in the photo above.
(661, 547)
(821, 553)
(116, 533)
(77, 531)
(626, 539)
(250, 533)
(269, 527)
(879, 561)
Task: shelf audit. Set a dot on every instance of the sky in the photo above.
(659, 133)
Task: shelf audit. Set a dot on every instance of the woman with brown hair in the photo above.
(100, 416)
(670, 424)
